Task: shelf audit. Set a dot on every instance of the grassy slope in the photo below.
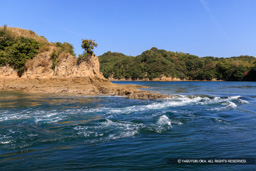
(26, 33)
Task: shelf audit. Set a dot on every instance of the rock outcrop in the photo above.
(67, 67)
(7, 71)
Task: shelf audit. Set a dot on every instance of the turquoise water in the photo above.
(203, 120)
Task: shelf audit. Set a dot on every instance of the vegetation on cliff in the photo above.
(60, 50)
(16, 50)
(88, 46)
(156, 63)
(17, 46)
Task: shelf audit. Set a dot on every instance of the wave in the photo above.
(23, 127)
(226, 103)
(164, 120)
(4, 139)
(228, 106)
(179, 101)
(166, 103)
(110, 129)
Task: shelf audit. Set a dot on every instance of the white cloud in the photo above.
(209, 11)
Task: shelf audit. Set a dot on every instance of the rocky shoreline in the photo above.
(160, 80)
(76, 86)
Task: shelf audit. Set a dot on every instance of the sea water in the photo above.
(57, 132)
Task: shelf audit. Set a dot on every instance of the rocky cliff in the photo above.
(67, 67)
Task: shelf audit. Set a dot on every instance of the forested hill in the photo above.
(158, 63)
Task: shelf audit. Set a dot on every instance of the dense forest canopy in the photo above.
(156, 63)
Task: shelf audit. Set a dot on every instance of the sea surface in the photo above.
(57, 132)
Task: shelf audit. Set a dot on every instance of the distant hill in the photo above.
(158, 64)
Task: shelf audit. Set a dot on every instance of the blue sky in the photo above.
(220, 28)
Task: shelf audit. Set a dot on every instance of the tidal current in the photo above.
(57, 132)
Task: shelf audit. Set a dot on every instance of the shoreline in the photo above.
(85, 86)
(167, 80)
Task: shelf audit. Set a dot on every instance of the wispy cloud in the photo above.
(62, 28)
(209, 11)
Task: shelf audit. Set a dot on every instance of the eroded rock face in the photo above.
(7, 71)
(39, 67)
(66, 67)
(89, 68)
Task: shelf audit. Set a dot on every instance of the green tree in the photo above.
(15, 51)
(88, 46)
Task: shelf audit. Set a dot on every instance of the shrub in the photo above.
(62, 48)
(81, 58)
(2, 58)
(15, 51)
(65, 47)
(44, 48)
(54, 56)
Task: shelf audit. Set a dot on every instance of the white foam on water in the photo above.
(174, 102)
(243, 101)
(163, 124)
(110, 130)
(177, 122)
(228, 105)
(33, 135)
(86, 132)
(4, 139)
(206, 100)
(14, 116)
(5, 142)
(124, 129)
(219, 120)
(231, 105)
(234, 97)
(164, 120)
(50, 117)
(53, 116)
